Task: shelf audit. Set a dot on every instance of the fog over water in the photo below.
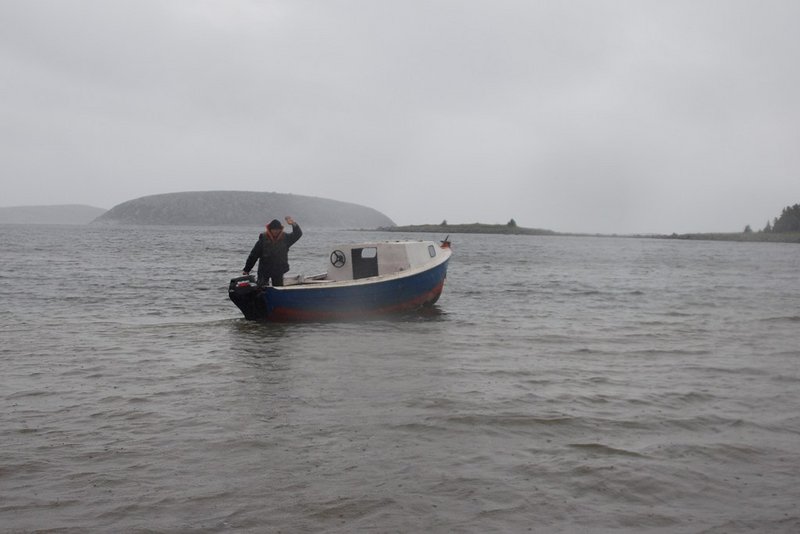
(632, 116)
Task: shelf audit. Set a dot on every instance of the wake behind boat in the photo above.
(363, 280)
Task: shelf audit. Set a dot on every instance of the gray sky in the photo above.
(627, 116)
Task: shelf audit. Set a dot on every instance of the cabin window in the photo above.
(365, 262)
(432, 250)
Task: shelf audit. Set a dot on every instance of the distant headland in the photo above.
(245, 208)
(509, 228)
(58, 214)
(241, 208)
(784, 229)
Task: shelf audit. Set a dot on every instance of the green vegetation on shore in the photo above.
(509, 228)
(745, 237)
(789, 221)
(481, 228)
(784, 229)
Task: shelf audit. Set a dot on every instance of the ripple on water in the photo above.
(596, 385)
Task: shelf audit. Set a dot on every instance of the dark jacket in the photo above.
(272, 254)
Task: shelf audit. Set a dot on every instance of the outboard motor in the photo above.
(248, 297)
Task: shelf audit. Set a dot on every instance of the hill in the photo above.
(241, 208)
(59, 214)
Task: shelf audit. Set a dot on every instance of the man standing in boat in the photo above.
(272, 252)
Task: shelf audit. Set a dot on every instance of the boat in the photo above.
(363, 280)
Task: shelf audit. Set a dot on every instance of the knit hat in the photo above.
(274, 224)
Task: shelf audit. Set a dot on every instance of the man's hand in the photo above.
(289, 220)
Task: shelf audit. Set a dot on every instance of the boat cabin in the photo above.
(364, 260)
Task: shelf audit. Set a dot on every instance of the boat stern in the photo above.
(248, 297)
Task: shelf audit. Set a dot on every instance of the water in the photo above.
(562, 385)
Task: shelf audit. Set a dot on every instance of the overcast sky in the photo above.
(626, 116)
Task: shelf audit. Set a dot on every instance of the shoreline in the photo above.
(504, 229)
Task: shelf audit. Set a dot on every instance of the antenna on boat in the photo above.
(445, 243)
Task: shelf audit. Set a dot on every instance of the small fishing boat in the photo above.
(362, 281)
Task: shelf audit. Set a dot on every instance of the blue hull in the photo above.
(353, 300)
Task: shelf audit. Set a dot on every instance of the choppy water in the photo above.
(564, 385)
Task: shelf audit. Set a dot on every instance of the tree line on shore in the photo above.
(789, 221)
